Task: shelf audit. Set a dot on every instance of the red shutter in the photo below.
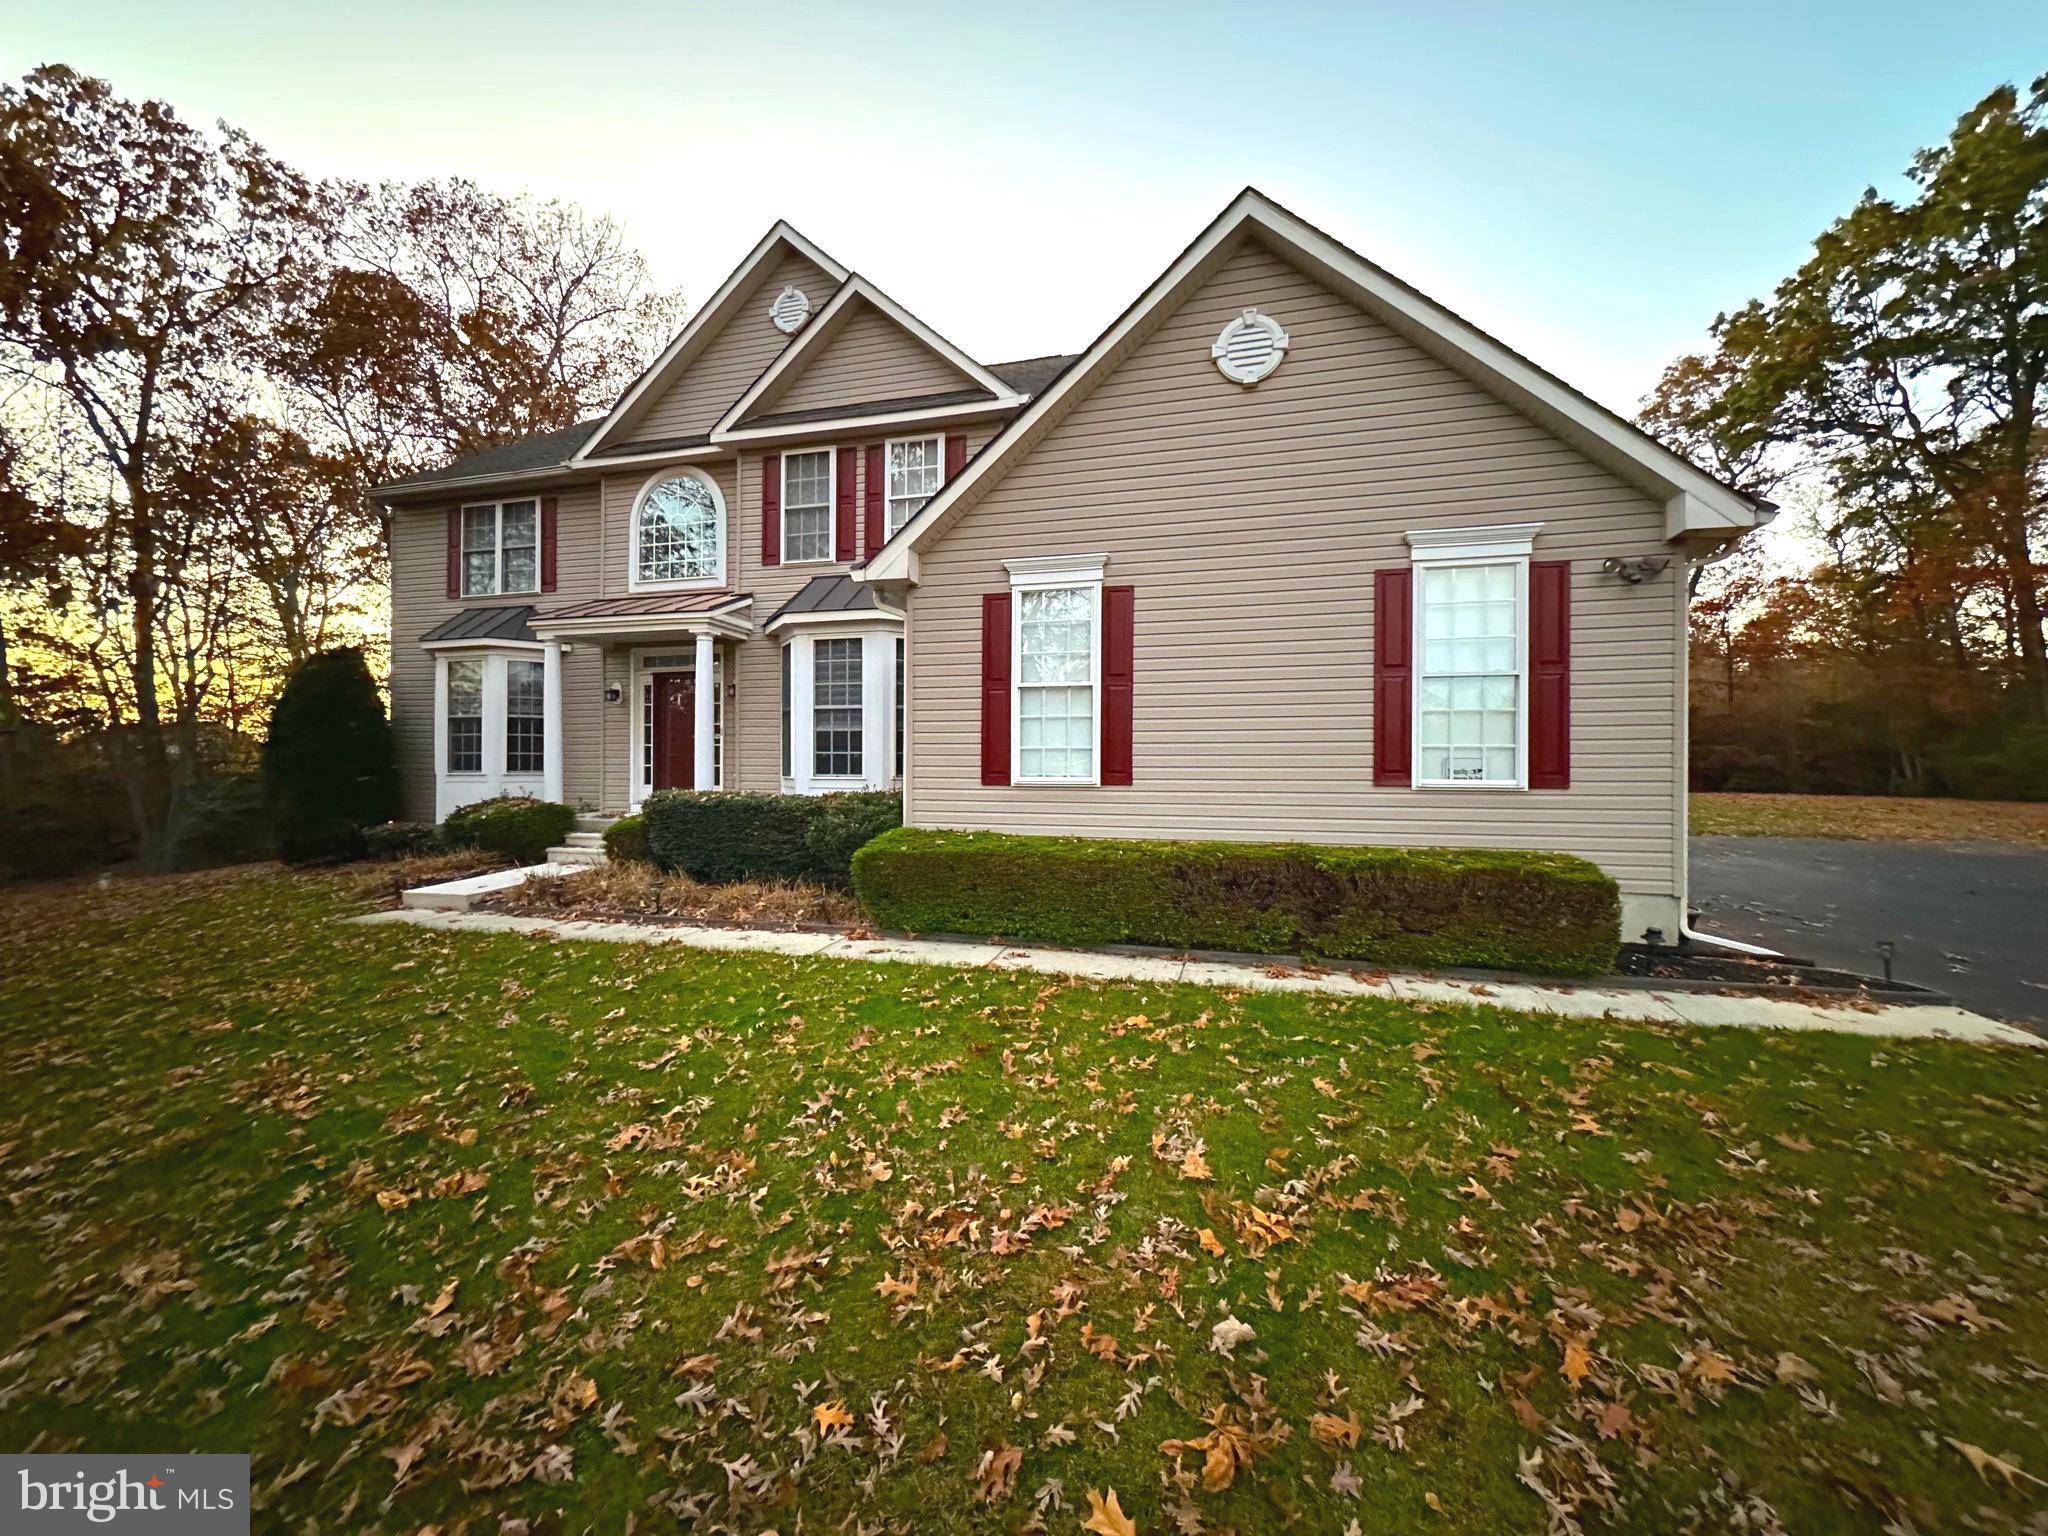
(1117, 646)
(1550, 674)
(995, 688)
(455, 551)
(956, 454)
(1392, 669)
(547, 543)
(849, 466)
(771, 510)
(878, 472)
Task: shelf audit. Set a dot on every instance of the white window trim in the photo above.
(1502, 544)
(877, 707)
(1052, 572)
(454, 790)
(640, 678)
(831, 504)
(685, 584)
(889, 526)
(497, 511)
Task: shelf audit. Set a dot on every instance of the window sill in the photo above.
(1016, 781)
(684, 584)
(488, 597)
(1494, 784)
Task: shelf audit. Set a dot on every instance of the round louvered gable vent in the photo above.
(1250, 347)
(792, 307)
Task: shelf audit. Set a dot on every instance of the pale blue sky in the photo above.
(1589, 182)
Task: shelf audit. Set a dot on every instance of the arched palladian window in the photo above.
(679, 532)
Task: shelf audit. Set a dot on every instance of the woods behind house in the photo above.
(208, 358)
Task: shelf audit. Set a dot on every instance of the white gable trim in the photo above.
(1692, 498)
(707, 322)
(827, 323)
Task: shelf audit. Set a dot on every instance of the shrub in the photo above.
(720, 838)
(327, 762)
(517, 826)
(225, 820)
(403, 840)
(843, 824)
(625, 841)
(1421, 907)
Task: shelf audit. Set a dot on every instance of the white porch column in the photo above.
(551, 721)
(441, 805)
(705, 771)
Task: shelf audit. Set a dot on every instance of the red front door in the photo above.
(675, 719)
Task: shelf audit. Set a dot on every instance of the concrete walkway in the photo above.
(1586, 1002)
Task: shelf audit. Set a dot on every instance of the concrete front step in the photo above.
(579, 856)
(588, 822)
(586, 840)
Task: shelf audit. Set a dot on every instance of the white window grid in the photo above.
(525, 716)
(836, 709)
(807, 506)
(1057, 646)
(1470, 685)
(916, 467)
(681, 532)
(500, 548)
(466, 715)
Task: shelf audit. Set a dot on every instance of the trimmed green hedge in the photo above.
(625, 841)
(517, 826)
(721, 838)
(1414, 907)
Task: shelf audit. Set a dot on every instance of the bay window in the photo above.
(836, 709)
(807, 506)
(466, 715)
(501, 548)
(525, 716)
(916, 467)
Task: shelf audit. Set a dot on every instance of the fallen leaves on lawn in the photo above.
(1106, 1516)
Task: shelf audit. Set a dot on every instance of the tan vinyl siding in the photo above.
(1250, 523)
(871, 357)
(419, 601)
(731, 361)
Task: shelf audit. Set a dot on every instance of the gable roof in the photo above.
(1693, 499)
(709, 320)
(817, 335)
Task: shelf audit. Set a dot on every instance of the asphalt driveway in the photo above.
(1969, 919)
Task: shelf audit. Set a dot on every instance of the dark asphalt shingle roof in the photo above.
(553, 450)
(497, 622)
(1031, 374)
(829, 594)
(545, 450)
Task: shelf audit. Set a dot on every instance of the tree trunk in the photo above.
(149, 793)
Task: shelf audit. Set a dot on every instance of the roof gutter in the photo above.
(398, 489)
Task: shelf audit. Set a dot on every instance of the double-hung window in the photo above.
(916, 467)
(1058, 653)
(466, 715)
(807, 506)
(836, 709)
(1471, 648)
(525, 716)
(501, 548)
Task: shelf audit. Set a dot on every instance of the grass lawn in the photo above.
(1877, 818)
(451, 1231)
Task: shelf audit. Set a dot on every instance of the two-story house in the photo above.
(1289, 553)
(660, 599)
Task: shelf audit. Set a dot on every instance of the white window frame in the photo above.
(716, 579)
(1510, 544)
(497, 511)
(933, 440)
(877, 705)
(453, 790)
(1056, 573)
(831, 505)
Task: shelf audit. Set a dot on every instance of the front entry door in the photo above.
(675, 723)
